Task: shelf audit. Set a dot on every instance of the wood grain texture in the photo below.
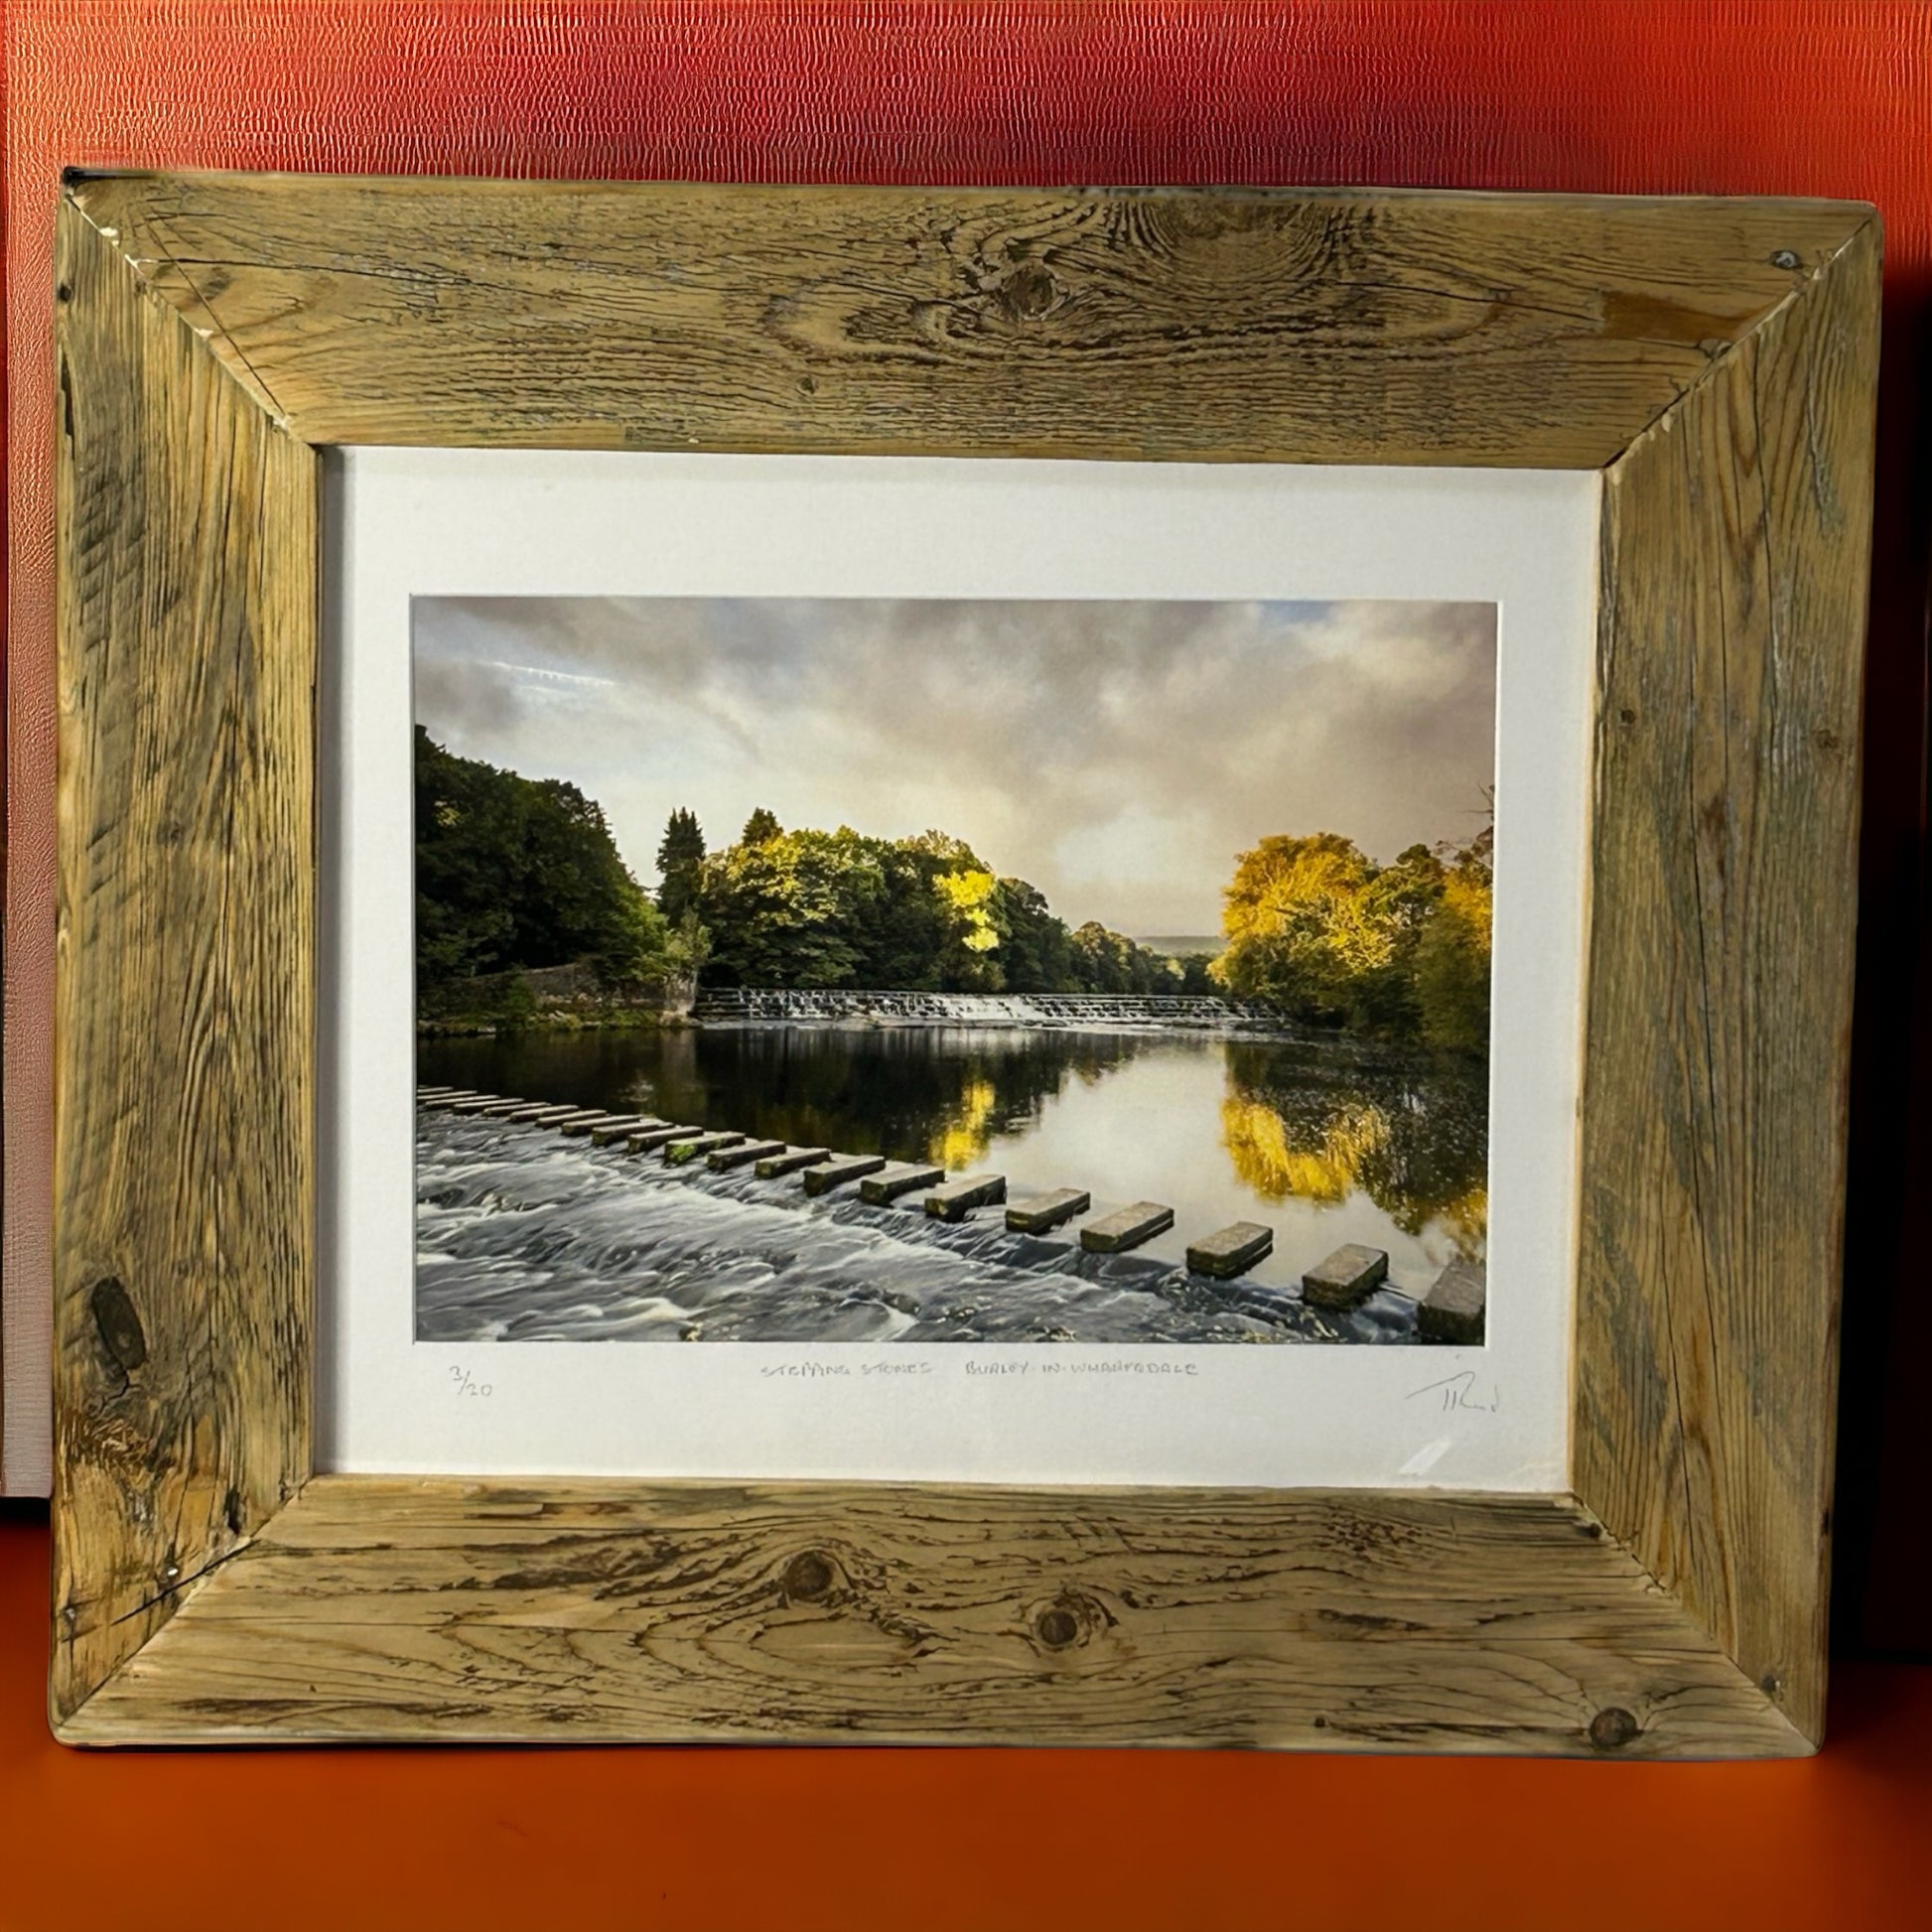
(184, 1140)
(402, 1609)
(1734, 558)
(1242, 324)
(1717, 354)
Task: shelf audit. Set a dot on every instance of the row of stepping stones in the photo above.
(1454, 1308)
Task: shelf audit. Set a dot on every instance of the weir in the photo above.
(1098, 1011)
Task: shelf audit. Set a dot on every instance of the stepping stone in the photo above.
(501, 1109)
(746, 1151)
(652, 1137)
(1349, 1275)
(587, 1123)
(443, 1102)
(1230, 1250)
(790, 1160)
(1456, 1305)
(541, 1114)
(606, 1131)
(840, 1169)
(438, 1093)
(472, 1103)
(1041, 1214)
(957, 1199)
(577, 1117)
(899, 1178)
(678, 1153)
(1126, 1228)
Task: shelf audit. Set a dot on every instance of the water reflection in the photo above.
(945, 1093)
(1413, 1140)
(1325, 1146)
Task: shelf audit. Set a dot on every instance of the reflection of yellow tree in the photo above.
(1467, 1221)
(1323, 1168)
(969, 1129)
(1417, 1151)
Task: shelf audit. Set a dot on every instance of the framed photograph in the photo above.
(1169, 872)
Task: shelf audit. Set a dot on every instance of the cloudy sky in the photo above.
(1117, 755)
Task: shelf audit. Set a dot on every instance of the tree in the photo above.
(791, 911)
(1302, 928)
(680, 855)
(1451, 962)
(1195, 974)
(514, 872)
(971, 901)
(760, 828)
(1038, 951)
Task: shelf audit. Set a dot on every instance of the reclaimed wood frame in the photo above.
(1715, 359)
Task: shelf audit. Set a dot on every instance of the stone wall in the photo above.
(563, 990)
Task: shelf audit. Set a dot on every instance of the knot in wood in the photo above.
(1612, 1728)
(1784, 258)
(809, 1576)
(1029, 290)
(1056, 1628)
(1069, 1620)
(120, 1324)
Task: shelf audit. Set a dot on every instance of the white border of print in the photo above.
(411, 522)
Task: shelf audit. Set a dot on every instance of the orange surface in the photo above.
(1729, 97)
(795, 1840)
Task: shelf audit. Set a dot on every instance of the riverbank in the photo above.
(566, 999)
(571, 1019)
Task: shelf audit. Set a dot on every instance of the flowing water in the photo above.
(525, 1235)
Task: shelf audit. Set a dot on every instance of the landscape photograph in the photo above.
(872, 970)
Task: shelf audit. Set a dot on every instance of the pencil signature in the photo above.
(1459, 1391)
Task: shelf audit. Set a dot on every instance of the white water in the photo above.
(524, 1235)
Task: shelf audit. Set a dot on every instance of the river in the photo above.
(523, 1234)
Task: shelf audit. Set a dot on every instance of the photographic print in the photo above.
(874, 970)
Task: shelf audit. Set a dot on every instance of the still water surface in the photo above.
(522, 1234)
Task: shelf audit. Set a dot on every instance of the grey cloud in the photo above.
(1029, 728)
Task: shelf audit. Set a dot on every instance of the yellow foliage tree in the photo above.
(1299, 925)
(1453, 963)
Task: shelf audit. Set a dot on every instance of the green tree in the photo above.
(469, 826)
(760, 828)
(514, 872)
(1038, 951)
(1451, 962)
(1398, 900)
(680, 858)
(690, 944)
(1195, 976)
(791, 912)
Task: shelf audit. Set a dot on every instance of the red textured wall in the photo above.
(1728, 96)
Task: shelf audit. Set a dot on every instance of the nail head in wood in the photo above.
(809, 1576)
(1057, 1627)
(1611, 1730)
